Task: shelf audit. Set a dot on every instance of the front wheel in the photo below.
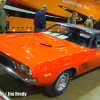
(60, 84)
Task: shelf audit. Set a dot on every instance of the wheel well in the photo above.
(73, 70)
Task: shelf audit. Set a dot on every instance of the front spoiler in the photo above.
(18, 75)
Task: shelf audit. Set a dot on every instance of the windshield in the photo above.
(70, 34)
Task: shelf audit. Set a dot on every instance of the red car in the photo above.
(50, 58)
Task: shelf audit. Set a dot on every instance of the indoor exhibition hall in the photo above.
(49, 50)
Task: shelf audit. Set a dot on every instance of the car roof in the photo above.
(83, 28)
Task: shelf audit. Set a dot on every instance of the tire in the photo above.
(60, 84)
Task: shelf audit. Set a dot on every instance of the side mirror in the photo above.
(98, 45)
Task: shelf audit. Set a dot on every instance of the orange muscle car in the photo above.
(50, 58)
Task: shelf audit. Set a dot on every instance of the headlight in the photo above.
(21, 67)
(29, 71)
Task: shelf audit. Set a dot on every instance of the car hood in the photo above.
(27, 46)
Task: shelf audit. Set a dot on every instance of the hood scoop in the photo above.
(56, 46)
(46, 45)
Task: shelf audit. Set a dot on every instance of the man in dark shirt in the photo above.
(97, 25)
(40, 19)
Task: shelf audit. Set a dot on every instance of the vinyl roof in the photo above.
(83, 28)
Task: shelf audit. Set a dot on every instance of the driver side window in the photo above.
(59, 29)
(96, 42)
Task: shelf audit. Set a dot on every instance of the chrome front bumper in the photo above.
(4, 96)
(18, 75)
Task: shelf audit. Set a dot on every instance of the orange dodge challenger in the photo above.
(50, 58)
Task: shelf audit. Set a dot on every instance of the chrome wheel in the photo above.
(62, 82)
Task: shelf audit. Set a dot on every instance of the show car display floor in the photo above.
(84, 87)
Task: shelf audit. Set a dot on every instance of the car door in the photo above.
(91, 59)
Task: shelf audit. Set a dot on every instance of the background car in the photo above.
(50, 58)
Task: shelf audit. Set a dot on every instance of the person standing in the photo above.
(40, 19)
(72, 19)
(89, 22)
(2, 17)
(97, 25)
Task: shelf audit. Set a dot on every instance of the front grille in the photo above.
(7, 62)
